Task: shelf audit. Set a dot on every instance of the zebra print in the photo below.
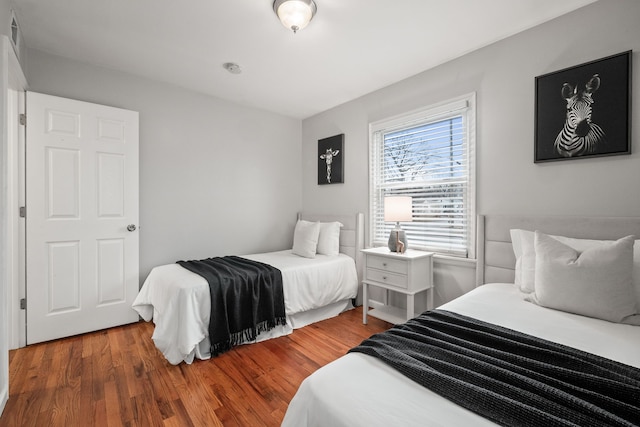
(579, 135)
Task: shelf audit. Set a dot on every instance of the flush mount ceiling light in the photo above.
(295, 14)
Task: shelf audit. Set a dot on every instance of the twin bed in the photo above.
(315, 288)
(359, 389)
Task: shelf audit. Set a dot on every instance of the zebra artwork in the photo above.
(579, 135)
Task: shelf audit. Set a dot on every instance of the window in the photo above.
(428, 155)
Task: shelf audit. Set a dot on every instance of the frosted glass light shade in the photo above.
(398, 209)
(295, 14)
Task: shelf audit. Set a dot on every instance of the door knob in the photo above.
(131, 227)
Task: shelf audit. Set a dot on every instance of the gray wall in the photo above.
(5, 16)
(215, 178)
(502, 75)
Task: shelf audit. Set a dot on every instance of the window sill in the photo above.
(452, 260)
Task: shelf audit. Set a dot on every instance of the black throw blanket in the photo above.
(508, 377)
(246, 299)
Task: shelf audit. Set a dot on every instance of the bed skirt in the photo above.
(295, 321)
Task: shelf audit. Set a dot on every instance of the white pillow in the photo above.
(595, 282)
(522, 241)
(329, 238)
(523, 247)
(305, 238)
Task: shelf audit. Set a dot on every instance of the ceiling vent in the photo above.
(15, 35)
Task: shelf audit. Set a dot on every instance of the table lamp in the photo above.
(398, 208)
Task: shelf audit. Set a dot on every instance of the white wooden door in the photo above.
(81, 214)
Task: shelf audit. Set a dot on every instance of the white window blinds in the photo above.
(429, 156)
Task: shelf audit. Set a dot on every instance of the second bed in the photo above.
(178, 300)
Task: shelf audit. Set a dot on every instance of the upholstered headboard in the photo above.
(495, 257)
(351, 234)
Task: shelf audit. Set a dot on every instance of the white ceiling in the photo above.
(351, 48)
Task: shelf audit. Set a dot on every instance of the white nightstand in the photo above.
(407, 274)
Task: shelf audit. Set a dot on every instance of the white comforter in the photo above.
(359, 390)
(179, 302)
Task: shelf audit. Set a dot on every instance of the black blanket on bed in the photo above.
(511, 378)
(246, 299)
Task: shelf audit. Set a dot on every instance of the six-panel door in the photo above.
(81, 194)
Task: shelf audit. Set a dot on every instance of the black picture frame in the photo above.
(331, 160)
(565, 97)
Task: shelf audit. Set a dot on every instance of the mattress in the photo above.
(179, 304)
(361, 390)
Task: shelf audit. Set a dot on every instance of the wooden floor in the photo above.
(116, 377)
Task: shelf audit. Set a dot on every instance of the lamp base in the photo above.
(397, 241)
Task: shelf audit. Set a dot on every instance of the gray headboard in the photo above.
(351, 234)
(495, 257)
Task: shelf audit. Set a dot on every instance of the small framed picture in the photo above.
(330, 160)
(584, 111)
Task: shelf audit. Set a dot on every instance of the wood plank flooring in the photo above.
(117, 377)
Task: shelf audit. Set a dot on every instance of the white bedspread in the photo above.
(179, 302)
(358, 390)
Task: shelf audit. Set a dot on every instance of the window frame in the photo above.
(464, 106)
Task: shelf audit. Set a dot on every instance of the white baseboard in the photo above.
(4, 397)
(375, 304)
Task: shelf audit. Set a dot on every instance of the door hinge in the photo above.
(23, 211)
(23, 119)
(23, 303)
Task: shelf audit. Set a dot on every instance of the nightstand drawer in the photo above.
(386, 277)
(387, 264)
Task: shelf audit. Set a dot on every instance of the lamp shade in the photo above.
(295, 14)
(398, 209)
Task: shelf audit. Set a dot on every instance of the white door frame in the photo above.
(16, 224)
(15, 188)
(15, 198)
(12, 80)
